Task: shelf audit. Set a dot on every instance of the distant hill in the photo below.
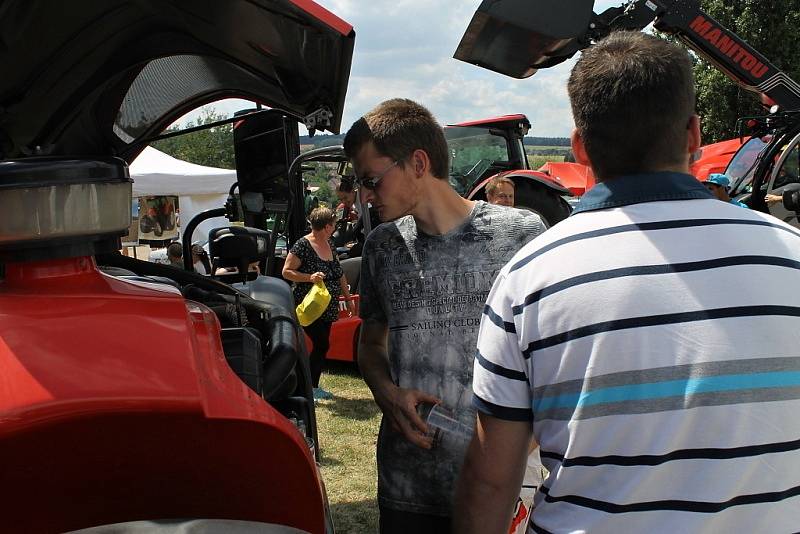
(319, 141)
(547, 141)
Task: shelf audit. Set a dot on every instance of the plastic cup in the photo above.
(444, 426)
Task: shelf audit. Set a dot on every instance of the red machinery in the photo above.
(714, 158)
(481, 150)
(516, 38)
(131, 391)
(344, 334)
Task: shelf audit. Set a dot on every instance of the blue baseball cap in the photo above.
(719, 179)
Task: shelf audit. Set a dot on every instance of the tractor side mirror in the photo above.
(518, 37)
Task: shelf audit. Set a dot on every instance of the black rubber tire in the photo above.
(540, 200)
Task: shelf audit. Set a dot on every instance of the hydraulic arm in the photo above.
(517, 37)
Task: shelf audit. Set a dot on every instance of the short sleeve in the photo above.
(370, 307)
(298, 249)
(501, 381)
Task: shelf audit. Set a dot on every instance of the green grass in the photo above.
(532, 149)
(536, 161)
(348, 430)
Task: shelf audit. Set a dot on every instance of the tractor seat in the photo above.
(237, 249)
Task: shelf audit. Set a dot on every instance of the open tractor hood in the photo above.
(89, 78)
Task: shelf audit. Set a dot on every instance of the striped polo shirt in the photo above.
(653, 338)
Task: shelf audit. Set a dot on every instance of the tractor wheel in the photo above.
(547, 204)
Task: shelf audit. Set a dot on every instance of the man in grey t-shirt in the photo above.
(424, 281)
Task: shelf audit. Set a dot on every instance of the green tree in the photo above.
(769, 27)
(212, 147)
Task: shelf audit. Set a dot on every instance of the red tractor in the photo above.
(137, 393)
(481, 150)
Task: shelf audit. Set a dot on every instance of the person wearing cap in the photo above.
(719, 185)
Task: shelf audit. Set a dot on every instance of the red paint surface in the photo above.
(714, 158)
(522, 173)
(493, 120)
(574, 176)
(319, 12)
(117, 404)
(344, 334)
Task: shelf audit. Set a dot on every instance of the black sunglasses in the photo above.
(372, 183)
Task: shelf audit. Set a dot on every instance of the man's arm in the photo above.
(346, 294)
(492, 475)
(398, 404)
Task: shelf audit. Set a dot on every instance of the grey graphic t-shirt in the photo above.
(430, 291)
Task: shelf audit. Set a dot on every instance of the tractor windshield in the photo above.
(741, 167)
(472, 152)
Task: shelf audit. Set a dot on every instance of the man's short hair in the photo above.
(397, 128)
(494, 184)
(175, 250)
(632, 96)
(346, 186)
(321, 217)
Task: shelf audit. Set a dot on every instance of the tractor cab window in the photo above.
(741, 167)
(472, 152)
(785, 176)
(789, 172)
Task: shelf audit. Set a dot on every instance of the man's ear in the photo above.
(694, 139)
(579, 149)
(420, 162)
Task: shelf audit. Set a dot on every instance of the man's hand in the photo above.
(399, 406)
(773, 199)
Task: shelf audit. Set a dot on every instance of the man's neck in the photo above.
(440, 209)
(683, 169)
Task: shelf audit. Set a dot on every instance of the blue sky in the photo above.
(404, 48)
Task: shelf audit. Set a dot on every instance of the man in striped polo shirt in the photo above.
(650, 343)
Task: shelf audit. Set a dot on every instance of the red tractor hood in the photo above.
(108, 424)
(99, 78)
(714, 158)
(574, 176)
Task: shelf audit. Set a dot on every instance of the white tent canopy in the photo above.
(156, 173)
(199, 188)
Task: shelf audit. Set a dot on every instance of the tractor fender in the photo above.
(550, 182)
(535, 191)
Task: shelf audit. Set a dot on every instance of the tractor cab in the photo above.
(483, 149)
(146, 392)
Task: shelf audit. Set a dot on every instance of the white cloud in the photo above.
(404, 48)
